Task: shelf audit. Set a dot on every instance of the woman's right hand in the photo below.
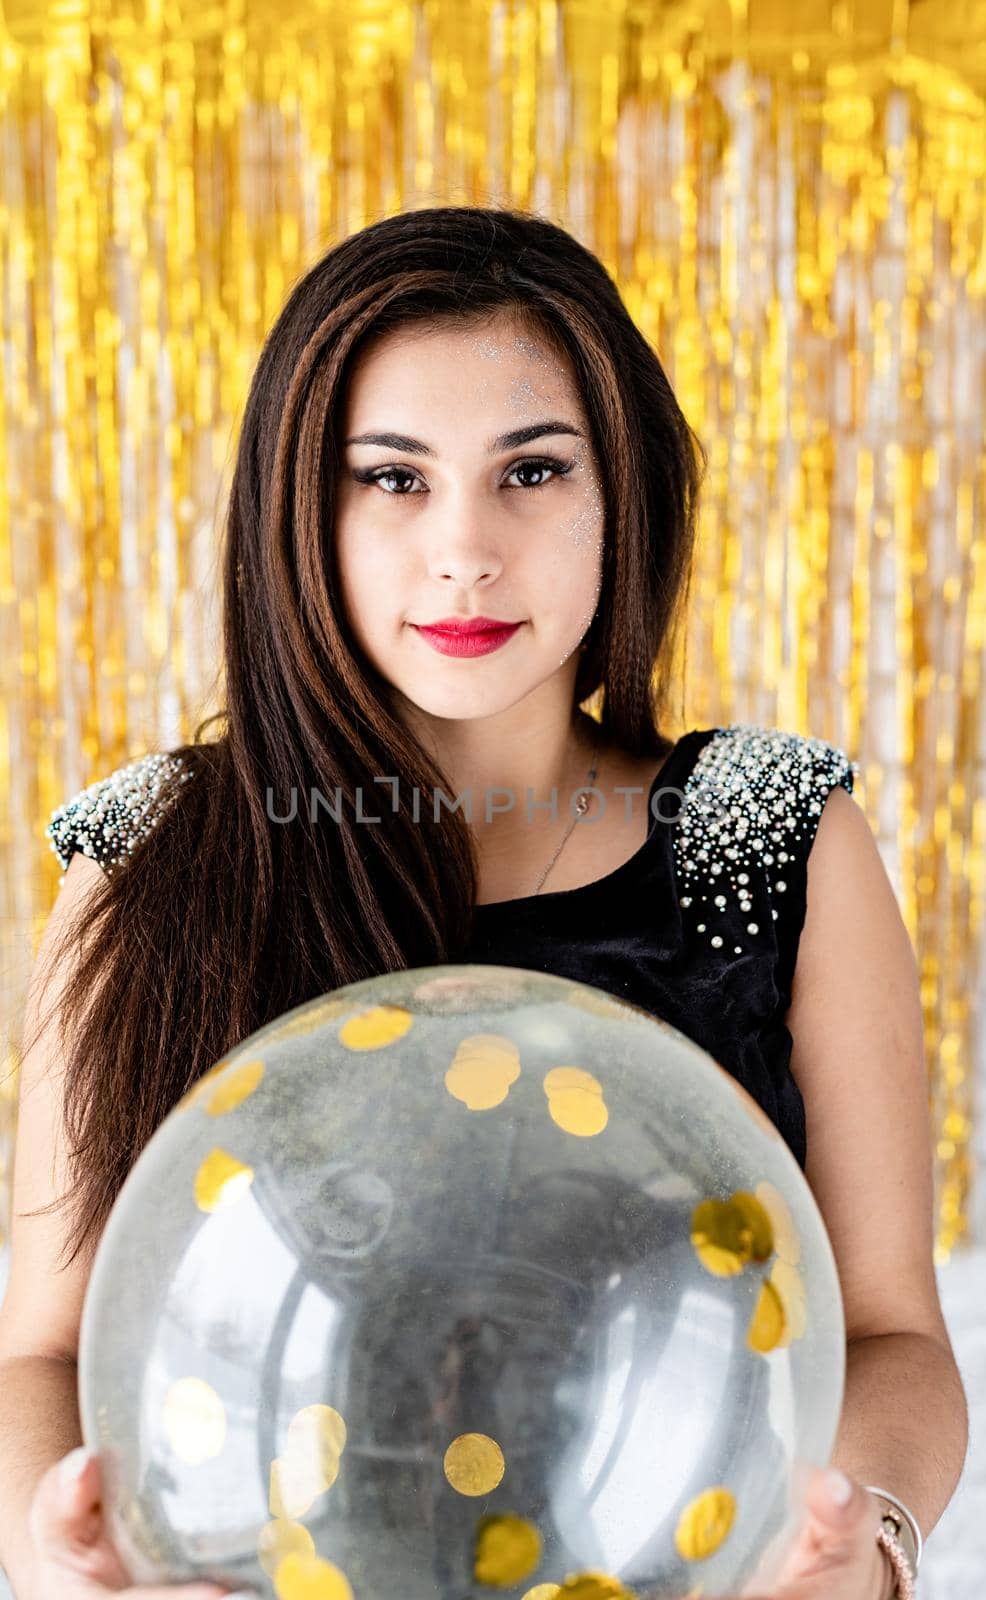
(73, 1557)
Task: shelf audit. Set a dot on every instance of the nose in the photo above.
(464, 554)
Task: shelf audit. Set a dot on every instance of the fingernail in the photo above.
(72, 1466)
(838, 1486)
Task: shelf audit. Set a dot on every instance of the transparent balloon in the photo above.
(463, 1281)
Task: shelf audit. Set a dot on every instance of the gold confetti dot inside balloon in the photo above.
(704, 1524)
(309, 1461)
(221, 1180)
(593, 1586)
(508, 1548)
(768, 1322)
(375, 1027)
(483, 1068)
(203, 1084)
(787, 1244)
(722, 1237)
(275, 1498)
(788, 1283)
(758, 1220)
(293, 1490)
(318, 1433)
(474, 1463)
(316, 1438)
(282, 1538)
(194, 1420)
(312, 1017)
(575, 1101)
(237, 1086)
(578, 1113)
(542, 1591)
(560, 1078)
(300, 1577)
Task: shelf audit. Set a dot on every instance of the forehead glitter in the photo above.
(522, 392)
(528, 348)
(487, 347)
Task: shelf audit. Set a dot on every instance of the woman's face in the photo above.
(452, 519)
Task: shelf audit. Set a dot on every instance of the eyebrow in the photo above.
(503, 441)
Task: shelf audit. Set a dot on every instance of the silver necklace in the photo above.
(581, 807)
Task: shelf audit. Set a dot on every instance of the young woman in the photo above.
(454, 422)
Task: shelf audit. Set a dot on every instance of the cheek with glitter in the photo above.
(585, 529)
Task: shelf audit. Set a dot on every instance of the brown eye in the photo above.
(558, 469)
(376, 474)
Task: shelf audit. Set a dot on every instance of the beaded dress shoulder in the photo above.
(106, 819)
(748, 819)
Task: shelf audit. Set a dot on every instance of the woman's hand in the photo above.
(836, 1556)
(74, 1559)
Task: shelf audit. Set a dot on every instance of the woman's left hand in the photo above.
(836, 1556)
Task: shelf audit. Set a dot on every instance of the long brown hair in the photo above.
(218, 921)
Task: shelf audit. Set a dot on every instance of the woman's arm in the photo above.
(904, 1424)
(39, 1423)
(859, 1060)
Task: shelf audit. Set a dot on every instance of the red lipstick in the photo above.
(467, 636)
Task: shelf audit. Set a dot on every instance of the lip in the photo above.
(468, 624)
(471, 641)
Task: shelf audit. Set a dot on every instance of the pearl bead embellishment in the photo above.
(106, 820)
(753, 798)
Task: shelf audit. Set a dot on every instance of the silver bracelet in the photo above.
(902, 1520)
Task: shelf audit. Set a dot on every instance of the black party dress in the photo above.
(700, 927)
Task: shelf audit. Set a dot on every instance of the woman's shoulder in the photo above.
(745, 758)
(107, 818)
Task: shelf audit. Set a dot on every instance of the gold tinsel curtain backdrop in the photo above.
(792, 202)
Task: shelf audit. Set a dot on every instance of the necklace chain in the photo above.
(581, 807)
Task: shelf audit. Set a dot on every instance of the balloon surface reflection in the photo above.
(461, 1281)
